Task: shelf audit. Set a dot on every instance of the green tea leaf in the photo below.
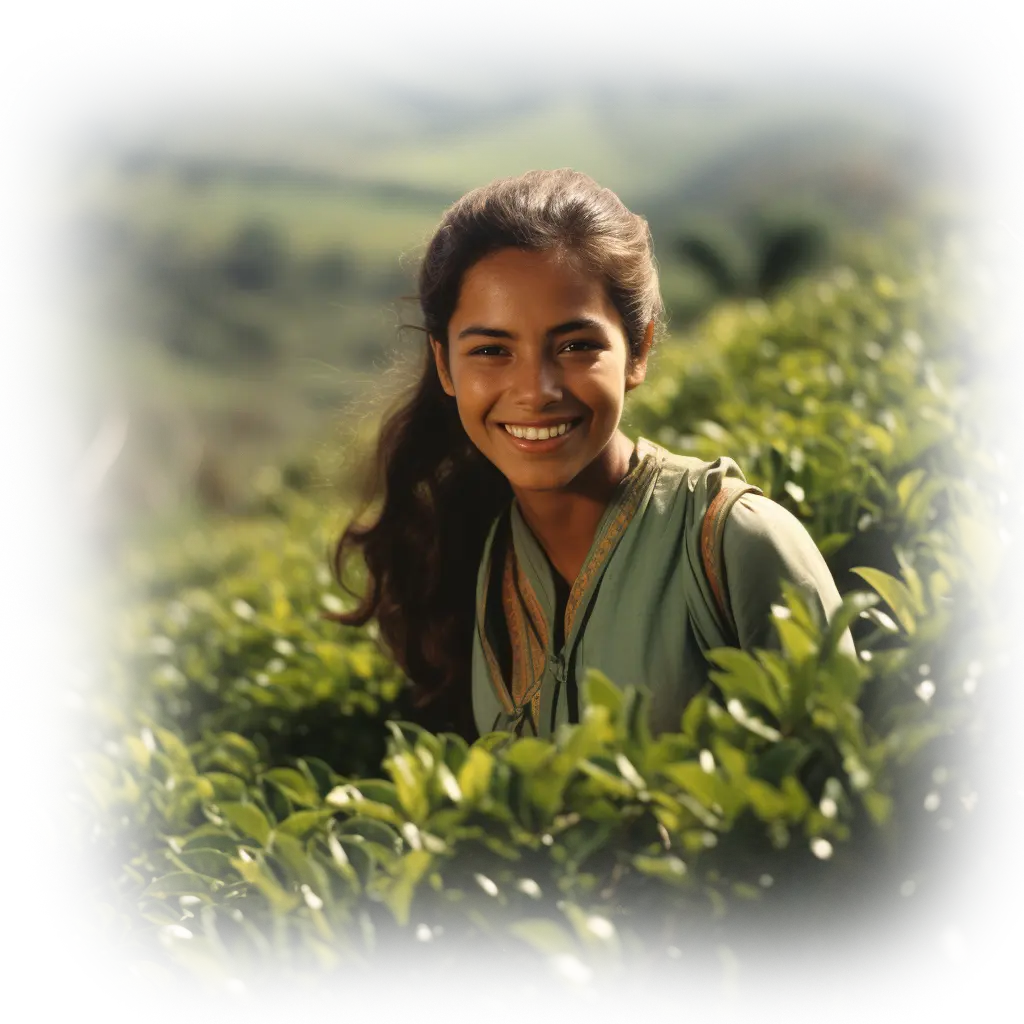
(238, 747)
(528, 754)
(454, 752)
(176, 752)
(321, 773)
(922, 435)
(373, 830)
(275, 800)
(767, 802)
(372, 809)
(803, 610)
(782, 759)
(138, 750)
(410, 870)
(247, 819)
(743, 677)
(920, 503)
(635, 717)
(797, 644)
(158, 912)
(732, 759)
(912, 580)
(894, 593)
(545, 788)
(209, 862)
(587, 738)
(225, 786)
(829, 545)
(607, 781)
(712, 791)
(301, 823)
(380, 791)
(599, 690)
(694, 715)
(303, 869)
(796, 795)
(294, 785)
(908, 484)
(666, 869)
(407, 736)
(410, 782)
(474, 777)
(210, 837)
(353, 859)
(878, 805)
(544, 935)
(257, 875)
(179, 883)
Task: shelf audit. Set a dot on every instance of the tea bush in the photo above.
(268, 808)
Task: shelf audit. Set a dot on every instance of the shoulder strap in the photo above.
(711, 534)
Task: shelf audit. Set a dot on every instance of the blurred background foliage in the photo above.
(242, 278)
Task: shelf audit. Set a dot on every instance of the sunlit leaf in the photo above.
(248, 819)
(474, 777)
(301, 823)
(295, 785)
(544, 935)
(599, 690)
(894, 593)
(743, 677)
(410, 870)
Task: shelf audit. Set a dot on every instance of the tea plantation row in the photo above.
(255, 802)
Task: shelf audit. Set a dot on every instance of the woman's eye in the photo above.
(572, 344)
(488, 350)
(581, 345)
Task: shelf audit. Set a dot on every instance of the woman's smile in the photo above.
(541, 437)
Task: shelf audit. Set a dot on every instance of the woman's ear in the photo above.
(441, 362)
(638, 368)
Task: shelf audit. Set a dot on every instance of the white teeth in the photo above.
(538, 433)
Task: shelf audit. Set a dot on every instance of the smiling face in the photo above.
(538, 362)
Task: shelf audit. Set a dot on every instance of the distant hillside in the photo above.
(242, 268)
(637, 100)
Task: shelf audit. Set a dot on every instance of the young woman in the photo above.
(521, 537)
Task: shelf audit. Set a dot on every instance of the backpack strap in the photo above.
(730, 490)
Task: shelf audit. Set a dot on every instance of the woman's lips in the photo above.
(538, 444)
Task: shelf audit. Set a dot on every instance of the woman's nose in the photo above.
(538, 382)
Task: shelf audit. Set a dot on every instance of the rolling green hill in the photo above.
(242, 270)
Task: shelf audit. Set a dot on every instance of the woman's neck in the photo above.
(565, 521)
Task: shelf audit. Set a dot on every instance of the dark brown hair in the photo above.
(437, 494)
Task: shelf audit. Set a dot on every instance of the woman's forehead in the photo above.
(525, 285)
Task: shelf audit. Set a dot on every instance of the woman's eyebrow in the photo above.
(582, 323)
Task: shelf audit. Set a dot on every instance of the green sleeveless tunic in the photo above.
(641, 610)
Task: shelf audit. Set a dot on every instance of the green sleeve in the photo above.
(763, 545)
